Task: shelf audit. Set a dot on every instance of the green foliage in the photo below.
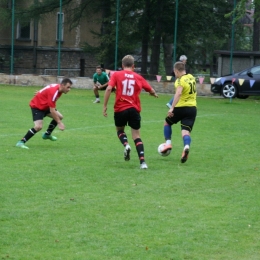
(128, 39)
(203, 29)
(202, 25)
(5, 13)
(78, 199)
(162, 71)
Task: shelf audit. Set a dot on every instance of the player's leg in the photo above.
(186, 142)
(38, 116)
(123, 139)
(169, 104)
(120, 119)
(139, 147)
(135, 124)
(186, 127)
(47, 135)
(167, 129)
(95, 89)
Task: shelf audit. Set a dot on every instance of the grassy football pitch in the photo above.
(77, 198)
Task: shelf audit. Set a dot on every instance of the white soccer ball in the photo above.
(160, 148)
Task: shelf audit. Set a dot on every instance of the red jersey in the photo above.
(46, 97)
(128, 88)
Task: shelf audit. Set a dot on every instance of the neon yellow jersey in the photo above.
(189, 94)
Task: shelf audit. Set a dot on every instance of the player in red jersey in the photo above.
(127, 105)
(44, 104)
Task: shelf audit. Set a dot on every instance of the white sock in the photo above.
(168, 142)
(186, 147)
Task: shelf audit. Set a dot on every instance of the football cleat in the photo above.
(127, 152)
(50, 137)
(185, 154)
(96, 101)
(166, 147)
(143, 165)
(21, 145)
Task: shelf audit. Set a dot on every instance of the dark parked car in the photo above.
(241, 85)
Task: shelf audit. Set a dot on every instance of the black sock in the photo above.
(51, 127)
(31, 132)
(140, 149)
(122, 137)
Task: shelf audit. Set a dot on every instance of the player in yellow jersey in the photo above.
(183, 110)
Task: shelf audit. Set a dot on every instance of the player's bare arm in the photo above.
(176, 100)
(56, 117)
(103, 86)
(106, 98)
(153, 93)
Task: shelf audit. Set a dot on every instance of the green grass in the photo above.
(78, 199)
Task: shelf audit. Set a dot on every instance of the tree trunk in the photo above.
(167, 54)
(145, 38)
(256, 31)
(108, 62)
(156, 44)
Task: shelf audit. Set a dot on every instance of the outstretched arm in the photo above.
(153, 93)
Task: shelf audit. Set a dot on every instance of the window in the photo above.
(23, 31)
(60, 17)
(256, 70)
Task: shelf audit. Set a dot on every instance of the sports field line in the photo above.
(104, 126)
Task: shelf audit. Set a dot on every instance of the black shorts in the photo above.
(185, 115)
(38, 114)
(129, 117)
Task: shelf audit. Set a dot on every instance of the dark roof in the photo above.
(238, 53)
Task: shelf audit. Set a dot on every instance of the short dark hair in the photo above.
(98, 67)
(65, 81)
(179, 65)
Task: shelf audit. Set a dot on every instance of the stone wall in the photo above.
(87, 83)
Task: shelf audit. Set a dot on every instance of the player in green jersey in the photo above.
(100, 80)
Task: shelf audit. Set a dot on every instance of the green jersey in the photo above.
(102, 78)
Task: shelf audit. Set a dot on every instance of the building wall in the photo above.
(47, 61)
(241, 60)
(75, 37)
(40, 52)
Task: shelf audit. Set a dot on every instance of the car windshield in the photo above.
(254, 71)
(244, 72)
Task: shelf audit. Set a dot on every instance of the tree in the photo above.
(162, 35)
(145, 24)
(256, 28)
(145, 27)
(240, 11)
